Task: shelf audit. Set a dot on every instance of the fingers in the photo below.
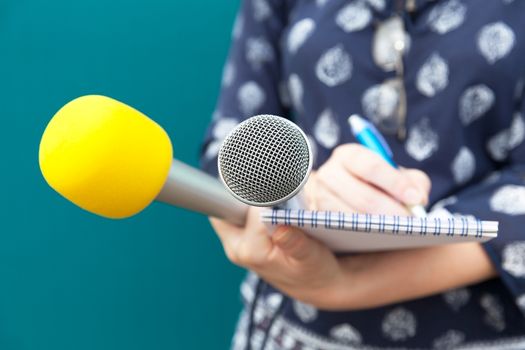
(250, 246)
(229, 236)
(292, 243)
(419, 179)
(310, 192)
(356, 193)
(371, 168)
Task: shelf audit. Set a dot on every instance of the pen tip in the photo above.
(418, 211)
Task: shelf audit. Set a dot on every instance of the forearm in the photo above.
(377, 279)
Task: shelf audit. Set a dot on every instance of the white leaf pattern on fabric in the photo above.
(223, 126)
(240, 340)
(378, 5)
(450, 340)
(327, 130)
(509, 199)
(456, 298)
(299, 33)
(266, 307)
(497, 146)
(258, 52)
(228, 74)
(433, 76)
(447, 16)
(212, 150)
(346, 334)
(260, 312)
(321, 3)
(463, 166)
(422, 141)
(506, 140)
(273, 301)
(306, 313)
(238, 27)
(439, 213)
(216, 115)
(257, 339)
(520, 301)
(261, 10)
(295, 87)
(475, 102)
(334, 67)
(514, 259)
(251, 97)
(220, 130)
(399, 324)
(380, 103)
(288, 342)
(445, 201)
(494, 316)
(248, 286)
(495, 41)
(354, 16)
(516, 131)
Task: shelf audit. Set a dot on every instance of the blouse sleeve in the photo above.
(501, 197)
(252, 74)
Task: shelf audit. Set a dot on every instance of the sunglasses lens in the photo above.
(389, 43)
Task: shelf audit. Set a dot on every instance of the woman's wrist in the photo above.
(343, 293)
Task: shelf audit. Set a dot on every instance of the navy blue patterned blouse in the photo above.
(311, 61)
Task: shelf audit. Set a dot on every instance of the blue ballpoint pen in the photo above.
(368, 136)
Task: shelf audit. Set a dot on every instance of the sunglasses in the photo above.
(385, 104)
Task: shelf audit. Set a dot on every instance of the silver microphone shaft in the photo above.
(193, 189)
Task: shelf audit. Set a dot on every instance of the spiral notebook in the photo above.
(347, 232)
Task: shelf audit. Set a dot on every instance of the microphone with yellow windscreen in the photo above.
(112, 160)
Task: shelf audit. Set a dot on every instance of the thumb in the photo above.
(294, 243)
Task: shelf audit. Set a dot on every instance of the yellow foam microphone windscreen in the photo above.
(105, 156)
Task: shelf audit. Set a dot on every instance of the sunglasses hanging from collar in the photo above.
(390, 43)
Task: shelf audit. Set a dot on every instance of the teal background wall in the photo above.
(71, 280)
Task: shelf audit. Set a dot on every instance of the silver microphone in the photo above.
(265, 160)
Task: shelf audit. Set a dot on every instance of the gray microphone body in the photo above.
(195, 190)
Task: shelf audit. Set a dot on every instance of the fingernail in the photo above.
(412, 196)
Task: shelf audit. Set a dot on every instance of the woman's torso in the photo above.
(463, 80)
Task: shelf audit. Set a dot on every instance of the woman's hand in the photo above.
(306, 270)
(355, 179)
(296, 264)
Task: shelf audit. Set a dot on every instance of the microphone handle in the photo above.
(193, 189)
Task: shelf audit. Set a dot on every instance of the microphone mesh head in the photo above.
(265, 160)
